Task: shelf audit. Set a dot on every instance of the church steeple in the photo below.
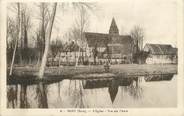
(113, 28)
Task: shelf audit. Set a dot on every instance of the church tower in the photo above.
(113, 28)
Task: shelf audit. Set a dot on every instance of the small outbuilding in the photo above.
(160, 54)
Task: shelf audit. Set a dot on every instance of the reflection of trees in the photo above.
(134, 89)
(12, 96)
(59, 91)
(69, 87)
(23, 97)
(78, 100)
(42, 95)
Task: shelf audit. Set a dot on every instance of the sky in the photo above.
(157, 18)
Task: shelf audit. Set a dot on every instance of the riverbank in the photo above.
(90, 72)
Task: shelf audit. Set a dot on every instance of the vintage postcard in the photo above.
(90, 57)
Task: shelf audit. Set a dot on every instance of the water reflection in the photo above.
(113, 89)
(17, 96)
(23, 97)
(112, 85)
(163, 77)
(112, 92)
(41, 93)
(12, 92)
(77, 93)
(134, 90)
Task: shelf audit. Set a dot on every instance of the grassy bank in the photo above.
(86, 72)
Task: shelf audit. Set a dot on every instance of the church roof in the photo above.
(113, 28)
(99, 39)
(103, 39)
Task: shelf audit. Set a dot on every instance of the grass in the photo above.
(86, 72)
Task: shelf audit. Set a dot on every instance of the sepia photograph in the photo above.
(92, 56)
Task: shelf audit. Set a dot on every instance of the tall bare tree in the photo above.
(81, 24)
(26, 25)
(47, 41)
(19, 37)
(56, 48)
(11, 37)
(44, 17)
(42, 95)
(13, 30)
(137, 33)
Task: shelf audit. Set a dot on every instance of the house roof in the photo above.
(160, 49)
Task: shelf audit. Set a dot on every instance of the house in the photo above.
(112, 46)
(160, 53)
(68, 55)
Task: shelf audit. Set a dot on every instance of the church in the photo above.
(110, 46)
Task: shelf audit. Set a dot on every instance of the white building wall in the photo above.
(159, 59)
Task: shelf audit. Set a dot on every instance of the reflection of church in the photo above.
(119, 48)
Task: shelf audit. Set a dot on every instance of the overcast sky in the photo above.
(156, 17)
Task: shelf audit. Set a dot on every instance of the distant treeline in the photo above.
(34, 55)
(23, 56)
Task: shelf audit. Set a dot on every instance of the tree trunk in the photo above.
(23, 97)
(59, 59)
(82, 58)
(42, 98)
(42, 95)
(76, 64)
(47, 42)
(94, 60)
(16, 42)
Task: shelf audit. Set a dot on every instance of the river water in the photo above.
(110, 93)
